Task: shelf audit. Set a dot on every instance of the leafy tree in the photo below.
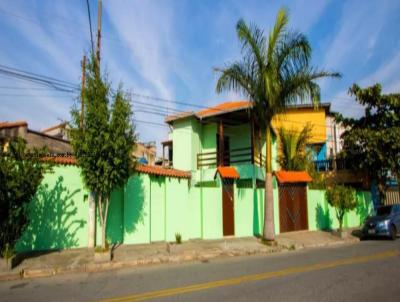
(293, 155)
(21, 172)
(343, 199)
(103, 146)
(274, 72)
(372, 143)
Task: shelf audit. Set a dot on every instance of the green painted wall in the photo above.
(212, 210)
(137, 209)
(244, 212)
(182, 144)
(157, 213)
(321, 216)
(209, 138)
(150, 208)
(58, 213)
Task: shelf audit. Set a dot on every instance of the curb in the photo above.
(171, 259)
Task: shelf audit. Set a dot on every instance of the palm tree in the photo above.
(273, 73)
(293, 155)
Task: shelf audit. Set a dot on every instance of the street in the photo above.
(368, 271)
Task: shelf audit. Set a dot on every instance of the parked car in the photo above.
(384, 222)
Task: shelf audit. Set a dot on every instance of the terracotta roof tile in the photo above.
(4, 125)
(223, 108)
(233, 106)
(61, 160)
(156, 170)
(292, 176)
(228, 172)
(152, 170)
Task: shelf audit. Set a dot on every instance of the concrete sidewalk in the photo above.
(124, 256)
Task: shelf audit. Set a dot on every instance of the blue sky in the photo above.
(168, 49)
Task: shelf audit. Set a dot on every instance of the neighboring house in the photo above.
(145, 153)
(334, 132)
(34, 139)
(336, 170)
(59, 130)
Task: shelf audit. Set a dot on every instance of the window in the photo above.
(383, 211)
(170, 153)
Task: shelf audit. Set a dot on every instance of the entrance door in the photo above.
(227, 208)
(293, 207)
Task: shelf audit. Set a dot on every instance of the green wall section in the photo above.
(321, 216)
(152, 208)
(157, 208)
(58, 213)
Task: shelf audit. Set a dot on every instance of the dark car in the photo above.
(384, 222)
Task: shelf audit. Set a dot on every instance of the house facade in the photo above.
(34, 139)
(212, 187)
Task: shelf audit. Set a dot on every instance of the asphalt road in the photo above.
(368, 271)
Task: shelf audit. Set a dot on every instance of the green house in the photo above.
(211, 186)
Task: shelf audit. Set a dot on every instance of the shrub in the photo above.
(178, 238)
(343, 199)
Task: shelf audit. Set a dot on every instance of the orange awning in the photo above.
(292, 176)
(228, 172)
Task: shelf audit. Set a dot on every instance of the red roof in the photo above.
(228, 172)
(233, 106)
(292, 176)
(223, 108)
(61, 160)
(4, 125)
(156, 170)
(152, 170)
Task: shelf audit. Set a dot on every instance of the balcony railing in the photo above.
(230, 157)
(330, 165)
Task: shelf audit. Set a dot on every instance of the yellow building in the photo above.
(299, 116)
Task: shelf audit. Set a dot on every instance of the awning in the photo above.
(292, 176)
(228, 172)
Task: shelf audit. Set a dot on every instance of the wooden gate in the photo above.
(228, 208)
(293, 207)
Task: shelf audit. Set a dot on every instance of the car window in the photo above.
(381, 211)
(396, 209)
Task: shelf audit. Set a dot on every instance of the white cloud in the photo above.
(148, 33)
(360, 25)
(386, 75)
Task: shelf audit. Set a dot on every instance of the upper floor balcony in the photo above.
(231, 157)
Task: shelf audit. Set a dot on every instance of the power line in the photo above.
(66, 86)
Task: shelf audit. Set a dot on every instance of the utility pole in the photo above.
(83, 91)
(99, 9)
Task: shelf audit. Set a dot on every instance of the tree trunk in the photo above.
(103, 209)
(340, 224)
(92, 220)
(269, 228)
(104, 229)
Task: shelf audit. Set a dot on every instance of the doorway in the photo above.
(228, 202)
